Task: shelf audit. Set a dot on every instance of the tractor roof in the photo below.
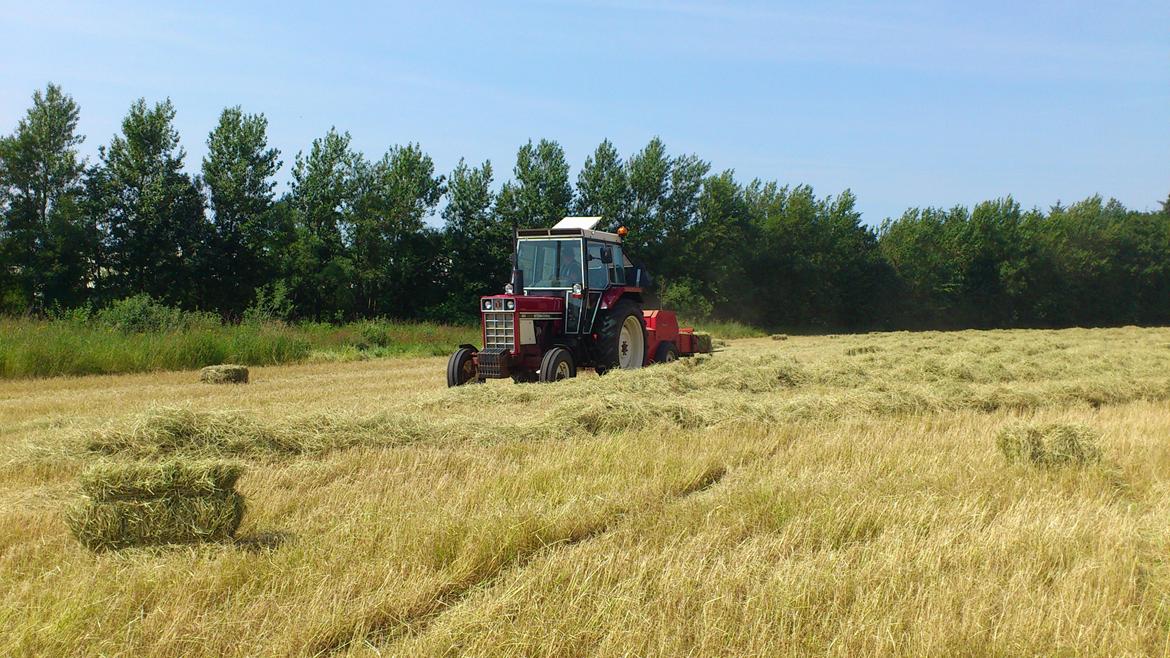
(570, 227)
(586, 223)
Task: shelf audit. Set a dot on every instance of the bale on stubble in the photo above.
(143, 504)
(1053, 444)
(111, 525)
(224, 374)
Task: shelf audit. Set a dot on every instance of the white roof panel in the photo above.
(586, 223)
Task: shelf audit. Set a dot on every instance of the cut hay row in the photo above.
(202, 434)
(706, 391)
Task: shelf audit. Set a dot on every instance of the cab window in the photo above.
(596, 270)
(617, 269)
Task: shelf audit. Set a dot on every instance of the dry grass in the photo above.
(836, 496)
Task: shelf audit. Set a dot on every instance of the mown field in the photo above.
(839, 495)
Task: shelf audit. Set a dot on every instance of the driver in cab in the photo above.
(570, 268)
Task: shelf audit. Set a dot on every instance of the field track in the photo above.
(838, 495)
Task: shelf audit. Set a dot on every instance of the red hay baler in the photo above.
(575, 301)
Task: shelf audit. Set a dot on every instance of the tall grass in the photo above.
(49, 348)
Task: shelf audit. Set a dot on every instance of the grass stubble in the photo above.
(844, 496)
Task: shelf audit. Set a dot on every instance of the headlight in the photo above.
(487, 304)
(508, 289)
(510, 304)
(576, 289)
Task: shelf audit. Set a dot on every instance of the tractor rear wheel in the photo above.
(461, 367)
(556, 365)
(621, 341)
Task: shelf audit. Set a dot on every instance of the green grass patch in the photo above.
(51, 348)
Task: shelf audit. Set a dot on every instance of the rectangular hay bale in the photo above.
(702, 343)
(224, 374)
(111, 525)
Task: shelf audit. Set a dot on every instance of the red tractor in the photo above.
(575, 301)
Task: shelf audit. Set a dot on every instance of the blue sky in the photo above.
(916, 103)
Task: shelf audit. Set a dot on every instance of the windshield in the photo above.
(549, 263)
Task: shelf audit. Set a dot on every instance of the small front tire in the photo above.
(461, 368)
(556, 365)
(665, 352)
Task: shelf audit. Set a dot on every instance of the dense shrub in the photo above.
(141, 314)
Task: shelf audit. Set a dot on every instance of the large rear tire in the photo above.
(461, 368)
(621, 341)
(556, 365)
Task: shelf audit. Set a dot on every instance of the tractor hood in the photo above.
(524, 304)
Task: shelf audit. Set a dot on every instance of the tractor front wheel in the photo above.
(461, 367)
(621, 341)
(556, 365)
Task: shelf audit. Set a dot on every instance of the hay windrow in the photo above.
(181, 430)
(1050, 445)
(187, 432)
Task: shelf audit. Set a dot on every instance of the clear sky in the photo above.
(915, 103)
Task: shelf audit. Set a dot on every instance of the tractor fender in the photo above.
(611, 297)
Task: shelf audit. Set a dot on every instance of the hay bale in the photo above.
(107, 482)
(143, 504)
(112, 525)
(224, 374)
(702, 342)
(1050, 445)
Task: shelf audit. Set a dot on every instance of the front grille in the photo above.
(499, 329)
(493, 363)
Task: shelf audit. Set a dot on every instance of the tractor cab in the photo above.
(574, 300)
(575, 263)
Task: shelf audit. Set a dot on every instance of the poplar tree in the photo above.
(150, 212)
(46, 247)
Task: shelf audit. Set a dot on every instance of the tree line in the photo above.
(350, 238)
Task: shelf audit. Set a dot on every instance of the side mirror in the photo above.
(606, 255)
